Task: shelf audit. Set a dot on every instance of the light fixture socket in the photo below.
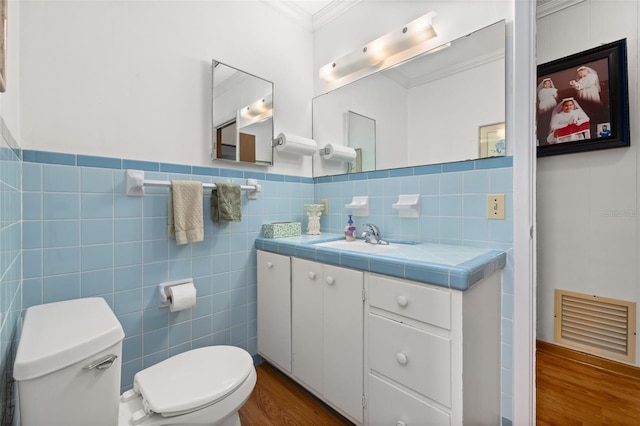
(412, 34)
(347, 64)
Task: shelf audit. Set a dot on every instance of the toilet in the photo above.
(68, 365)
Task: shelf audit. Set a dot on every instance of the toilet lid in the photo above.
(193, 379)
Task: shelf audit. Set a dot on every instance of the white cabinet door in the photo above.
(328, 333)
(274, 308)
(307, 328)
(344, 339)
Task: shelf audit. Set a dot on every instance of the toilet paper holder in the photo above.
(165, 299)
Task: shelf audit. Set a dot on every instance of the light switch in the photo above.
(495, 206)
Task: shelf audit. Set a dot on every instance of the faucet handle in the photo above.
(373, 229)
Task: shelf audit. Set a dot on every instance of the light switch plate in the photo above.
(495, 206)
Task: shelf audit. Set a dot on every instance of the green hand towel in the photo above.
(226, 203)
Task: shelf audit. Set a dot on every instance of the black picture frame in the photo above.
(604, 101)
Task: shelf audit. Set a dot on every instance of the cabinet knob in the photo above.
(402, 301)
(312, 275)
(269, 265)
(330, 280)
(401, 358)
(401, 423)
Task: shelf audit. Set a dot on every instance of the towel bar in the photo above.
(136, 183)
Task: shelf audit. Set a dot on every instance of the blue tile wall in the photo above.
(453, 204)
(84, 237)
(10, 263)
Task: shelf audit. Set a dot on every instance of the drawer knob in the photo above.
(402, 301)
(312, 275)
(269, 265)
(401, 423)
(401, 358)
(330, 280)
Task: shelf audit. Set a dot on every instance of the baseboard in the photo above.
(585, 358)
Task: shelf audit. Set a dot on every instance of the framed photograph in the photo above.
(3, 45)
(583, 101)
(492, 141)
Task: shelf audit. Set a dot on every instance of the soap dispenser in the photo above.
(350, 230)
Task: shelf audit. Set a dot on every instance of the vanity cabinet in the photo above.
(383, 350)
(327, 314)
(417, 370)
(274, 308)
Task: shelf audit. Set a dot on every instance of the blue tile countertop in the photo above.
(451, 266)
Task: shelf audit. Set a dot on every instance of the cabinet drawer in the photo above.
(419, 360)
(388, 405)
(425, 304)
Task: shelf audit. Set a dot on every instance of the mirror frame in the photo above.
(259, 114)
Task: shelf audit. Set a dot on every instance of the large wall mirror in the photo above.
(242, 116)
(429, 109)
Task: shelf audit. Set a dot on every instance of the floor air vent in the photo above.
(595, 324)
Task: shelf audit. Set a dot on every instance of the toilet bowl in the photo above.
(205, 386)
(68, 367)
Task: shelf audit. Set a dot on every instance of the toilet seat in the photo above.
(191, 380)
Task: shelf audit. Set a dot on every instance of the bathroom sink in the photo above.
(358, 246)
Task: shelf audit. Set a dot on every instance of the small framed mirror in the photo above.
(361, 136)
(241, 116)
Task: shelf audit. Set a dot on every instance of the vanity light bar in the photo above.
(375, 52)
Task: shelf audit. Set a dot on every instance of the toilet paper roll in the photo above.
(339, 153)
(182, 297)
(295, 144)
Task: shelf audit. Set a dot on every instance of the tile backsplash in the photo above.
(83, 236)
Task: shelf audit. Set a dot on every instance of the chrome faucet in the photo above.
(372, 235)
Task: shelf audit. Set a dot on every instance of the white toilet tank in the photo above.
(68, 364)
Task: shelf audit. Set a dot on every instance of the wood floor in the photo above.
(278, 401)
(574, 388)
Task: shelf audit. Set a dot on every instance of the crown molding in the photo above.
(553, 6)
(305, 20)
(291, 11)
(331, 12)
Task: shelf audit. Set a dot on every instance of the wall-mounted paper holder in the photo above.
(162, 290)
(408, 205)
(359, 205)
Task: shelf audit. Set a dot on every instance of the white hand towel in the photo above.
(185, 217)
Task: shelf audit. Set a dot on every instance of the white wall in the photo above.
(132, 80)
(583, 244)
(10, 100)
